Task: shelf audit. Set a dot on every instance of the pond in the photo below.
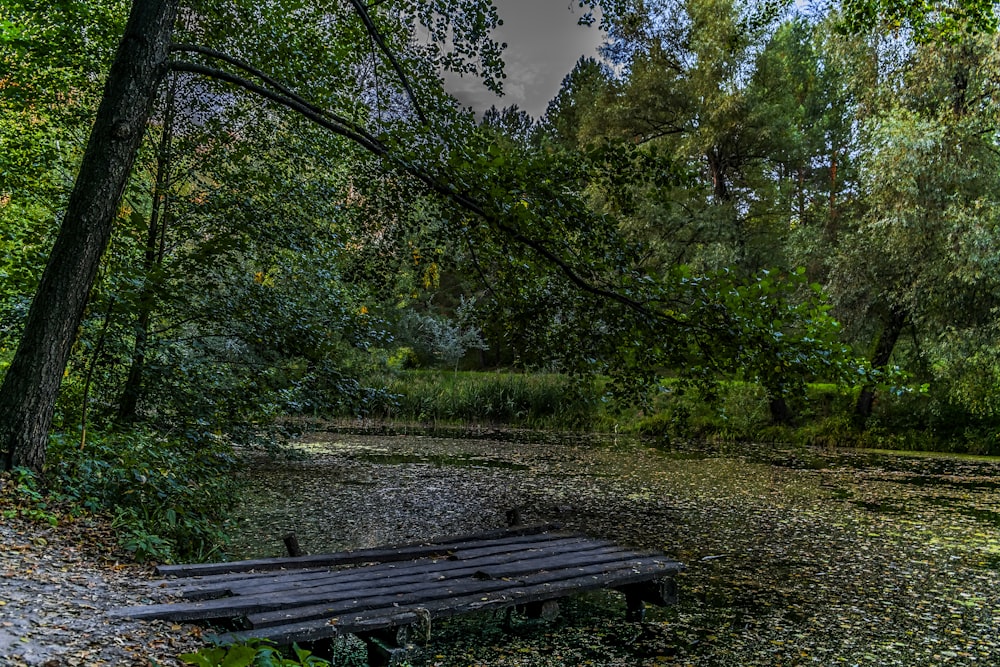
(795, 557)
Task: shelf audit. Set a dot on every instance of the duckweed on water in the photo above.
(794, 557)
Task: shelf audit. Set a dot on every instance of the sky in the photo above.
(543, 43)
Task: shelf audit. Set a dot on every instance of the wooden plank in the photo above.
(184, 585)
(393, 616)
(239, 605)
(369, 574)
(551, 579)
(227, 583)
(177, 585)
(308, 599)
(336, 605)
(382, 554)
(475, 550)
(430, 579)
(240, 574)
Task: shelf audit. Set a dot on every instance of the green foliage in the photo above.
(536, 400)
(928, 20)
(168, 497)
(701, 212)
(28, 498)
(439, 340)
(252, 653)
(782, 330)
(728, 411)
(402, 359)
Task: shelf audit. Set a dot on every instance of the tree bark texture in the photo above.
(883, 352)
(30, 387)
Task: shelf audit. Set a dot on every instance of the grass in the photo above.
(728, 412)
(539, 400)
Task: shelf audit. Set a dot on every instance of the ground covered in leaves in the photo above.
(794, 557)
(57, 578)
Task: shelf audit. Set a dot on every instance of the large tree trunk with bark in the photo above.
(883, 352)
(30, 387)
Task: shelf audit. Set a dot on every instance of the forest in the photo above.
(746, 222)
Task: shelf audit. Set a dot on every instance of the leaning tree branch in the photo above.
(316, 115)
(267, 79)
(479, 268)
(368, 142)
(376, 36)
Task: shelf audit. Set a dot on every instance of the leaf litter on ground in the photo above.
(795, 557)
(58, 575)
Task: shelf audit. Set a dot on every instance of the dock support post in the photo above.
(292, 545)
(545, 610)
(387, 648)
(661, 592)
(635, 608)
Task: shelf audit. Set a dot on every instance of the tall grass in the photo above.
(539, 400)
(730, 411)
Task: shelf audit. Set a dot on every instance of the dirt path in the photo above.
(56, 584)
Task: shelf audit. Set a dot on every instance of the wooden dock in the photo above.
(390, 596)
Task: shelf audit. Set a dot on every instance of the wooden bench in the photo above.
(389, 596)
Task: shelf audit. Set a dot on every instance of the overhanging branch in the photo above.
(269, 80)
(310, 112)
(376, 36)
(358, 135)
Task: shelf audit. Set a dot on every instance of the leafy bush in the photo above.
(732, 411)
(252, 653)
(24, 498)
(167, 497)
(440, 340)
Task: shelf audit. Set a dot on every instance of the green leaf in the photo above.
(206, 657)
(239, 655)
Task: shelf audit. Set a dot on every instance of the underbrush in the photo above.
(726, 412)
(254, 653)
(539, 401)
(737, 411)
(167, 498)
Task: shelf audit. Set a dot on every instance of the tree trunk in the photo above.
(883, 352)
(718, 169)
(780, 412)
(832, 222)
(30, 387)
(129, 401)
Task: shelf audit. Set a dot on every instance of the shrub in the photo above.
(167, 496)
(252, 653)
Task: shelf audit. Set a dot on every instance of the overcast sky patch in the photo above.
(543, 43)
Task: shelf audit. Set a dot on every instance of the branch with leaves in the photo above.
(283, 96)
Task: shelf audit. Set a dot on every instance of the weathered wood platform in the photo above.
(372, 591)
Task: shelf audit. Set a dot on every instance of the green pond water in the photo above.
(794, 556)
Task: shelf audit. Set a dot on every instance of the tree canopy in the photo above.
(738, 191)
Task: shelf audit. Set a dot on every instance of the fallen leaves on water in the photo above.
(794, 557)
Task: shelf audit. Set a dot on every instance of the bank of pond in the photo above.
(902, 418)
